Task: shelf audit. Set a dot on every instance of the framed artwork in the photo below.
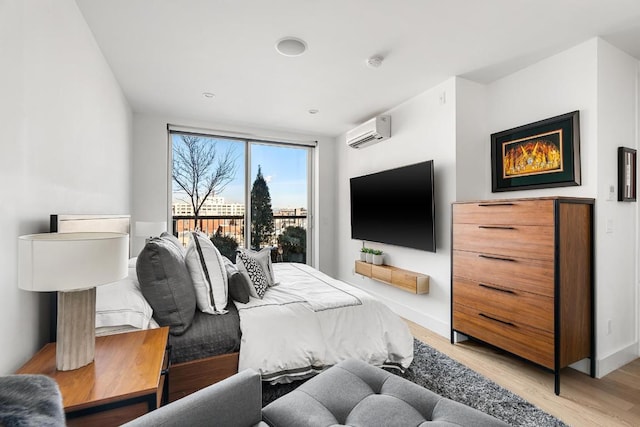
(543, 154)
(627, 158)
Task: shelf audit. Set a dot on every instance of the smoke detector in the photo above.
(291, 46)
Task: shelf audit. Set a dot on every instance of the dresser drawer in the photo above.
(527, 241)
(506, 212)
(534, 345)
(529, 275)
(530, 309)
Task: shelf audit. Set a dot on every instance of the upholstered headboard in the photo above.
(97, 223)
(78, 223)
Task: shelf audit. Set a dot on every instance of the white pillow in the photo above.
(121, 303)
(206, 267)
(263, 257)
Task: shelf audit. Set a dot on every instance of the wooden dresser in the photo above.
(522, 278)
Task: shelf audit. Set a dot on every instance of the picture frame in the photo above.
(543, 154)
(627, 173)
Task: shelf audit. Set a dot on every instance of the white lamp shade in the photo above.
(71, 261)
(149, 229)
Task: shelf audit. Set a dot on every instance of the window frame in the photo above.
(248, 141)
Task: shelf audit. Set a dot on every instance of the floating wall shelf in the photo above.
(409, 281)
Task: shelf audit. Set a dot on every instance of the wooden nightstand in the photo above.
(127, 378)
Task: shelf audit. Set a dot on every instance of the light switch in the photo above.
(609, 226)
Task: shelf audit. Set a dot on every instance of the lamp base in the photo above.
(76, 341)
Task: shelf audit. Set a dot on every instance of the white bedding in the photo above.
(311, 321)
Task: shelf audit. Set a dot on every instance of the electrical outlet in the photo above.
(609, 329)
(612, 193)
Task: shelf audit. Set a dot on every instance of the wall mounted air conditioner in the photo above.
(370, 132)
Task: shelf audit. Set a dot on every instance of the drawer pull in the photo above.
(497, 227)
(506, 291)
(486, 205)
(497, 320)
(497, 258)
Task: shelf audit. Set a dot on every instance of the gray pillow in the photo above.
(239, 287)
(174, 240)
(166, 284)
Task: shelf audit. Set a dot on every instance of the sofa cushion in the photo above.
(356, 394)
(166, 284)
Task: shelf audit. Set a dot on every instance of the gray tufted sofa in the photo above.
(350, 393)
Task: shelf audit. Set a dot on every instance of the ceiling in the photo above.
(166, 53)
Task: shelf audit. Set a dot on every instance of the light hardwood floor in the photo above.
(584, 401)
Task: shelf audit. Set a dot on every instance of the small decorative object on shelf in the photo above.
(363, 254)
(378, 257)
(369, 256)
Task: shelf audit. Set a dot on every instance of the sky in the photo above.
(284, 169)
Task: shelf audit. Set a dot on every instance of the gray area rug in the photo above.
(443, 375)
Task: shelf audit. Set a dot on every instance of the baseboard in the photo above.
(411, 314)
(616, 360)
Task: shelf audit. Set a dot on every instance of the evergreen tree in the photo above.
(262, 226)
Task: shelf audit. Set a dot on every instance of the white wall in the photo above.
(616, 254)
(600, 81)
(422, 128)
(557, 85)
(150, 176)
(595, 78)
(65, 146)
(471, 141)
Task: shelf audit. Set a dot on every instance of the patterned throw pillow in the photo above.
(263, 257)
(247, 264)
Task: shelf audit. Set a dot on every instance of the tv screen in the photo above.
(395, 206)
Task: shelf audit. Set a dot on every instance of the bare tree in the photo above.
(200, 170)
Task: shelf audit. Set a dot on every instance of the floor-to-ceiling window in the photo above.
(279, 197)
(242, 193)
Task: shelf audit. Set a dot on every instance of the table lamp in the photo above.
(72, 264)
(148, 229)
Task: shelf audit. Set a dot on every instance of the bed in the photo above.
(305, 322)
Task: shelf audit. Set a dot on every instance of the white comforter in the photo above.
(310, 321)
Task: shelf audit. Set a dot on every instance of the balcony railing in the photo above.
(233, 226)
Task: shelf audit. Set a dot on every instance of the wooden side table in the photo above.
(127, 378)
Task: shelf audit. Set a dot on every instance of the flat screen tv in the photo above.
(395, 206)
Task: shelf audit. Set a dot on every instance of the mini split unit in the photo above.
(370, 132)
